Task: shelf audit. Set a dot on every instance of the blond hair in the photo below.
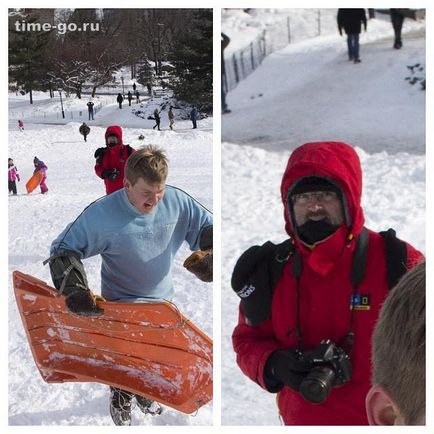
(399, 345)
(149, 163)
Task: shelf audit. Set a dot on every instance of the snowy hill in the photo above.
(35, 220)
(305, 92)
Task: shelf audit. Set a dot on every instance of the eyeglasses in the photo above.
(320, 196)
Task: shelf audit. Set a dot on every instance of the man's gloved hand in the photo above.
(287, 367)
(69, 278)
(200, 264)
(81, 302)
(111, 174)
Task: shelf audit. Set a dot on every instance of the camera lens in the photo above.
(316, 386)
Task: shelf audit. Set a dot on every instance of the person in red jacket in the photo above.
(110, 161)
(309, 305)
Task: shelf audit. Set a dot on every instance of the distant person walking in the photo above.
(397, 17)
(193, 117)
(225, 42)
(149, 87)
(84, 130)
(351, 21)
(21, 125)
(137, 96)
(157, 119)
(90, 105)
(134, 87)
(130, 98)
(171, 118)
(119, 99)
(12, 177)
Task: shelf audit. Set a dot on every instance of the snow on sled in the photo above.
(33, 182)
(149, 349)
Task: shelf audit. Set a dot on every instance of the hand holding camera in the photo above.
(312, 373)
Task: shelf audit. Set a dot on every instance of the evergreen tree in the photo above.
(192, 58)
(145, 73)
(28, 54)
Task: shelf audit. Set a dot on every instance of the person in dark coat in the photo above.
(157, 119)
(134, 87)
(84, 130)
(137, 96)
(119, 99)
(90, 105)
(224, 43)
(193, 116)
(130, 98)
(149, 87)
(351, 21)
(397, 18)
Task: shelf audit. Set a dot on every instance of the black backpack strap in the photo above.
(279, 258)
(129, 150)
(359, 259)
(396, 257)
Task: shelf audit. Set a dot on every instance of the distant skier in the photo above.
(110, 161)
(171, 118)
(193, 116)
(351, 21)
(12, 177)
(21, 125)
(120, 99)
(157, 119)
(137, 96)
(90, 105)
(84, 130)
(130, 98)
(41, 167)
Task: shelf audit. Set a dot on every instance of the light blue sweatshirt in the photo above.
(137, 249)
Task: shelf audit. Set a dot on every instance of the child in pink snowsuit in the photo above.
(12, 177)
(41, 167)
(21, 125)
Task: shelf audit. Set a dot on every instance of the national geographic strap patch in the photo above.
(360, 302)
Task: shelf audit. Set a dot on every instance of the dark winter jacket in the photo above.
(112, 158)
(351, 20)
(84, 130)
(224, 43)
(193, 114)
(325, 291)
(120, 98)
(156, 116)
(130, 96)
(90, 105)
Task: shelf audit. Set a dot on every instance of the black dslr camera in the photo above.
(331, 367)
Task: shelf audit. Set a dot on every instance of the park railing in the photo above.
(312, 23)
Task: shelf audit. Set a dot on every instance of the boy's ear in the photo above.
(380, 408)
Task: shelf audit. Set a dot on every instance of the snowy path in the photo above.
(311, 92)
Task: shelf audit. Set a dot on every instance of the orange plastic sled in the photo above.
(33, 182)
(149, 349)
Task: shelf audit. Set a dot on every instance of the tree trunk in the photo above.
(31, 96)
(94, 92)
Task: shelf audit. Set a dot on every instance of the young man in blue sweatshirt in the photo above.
(137, 231)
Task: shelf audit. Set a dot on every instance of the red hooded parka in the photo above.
(113, 157)
(325, 291)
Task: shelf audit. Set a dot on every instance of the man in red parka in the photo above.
(309, 305)
(110, 161)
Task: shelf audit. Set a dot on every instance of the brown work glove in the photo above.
(200, 264)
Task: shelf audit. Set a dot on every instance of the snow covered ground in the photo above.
(309, 92)
(35, 220)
